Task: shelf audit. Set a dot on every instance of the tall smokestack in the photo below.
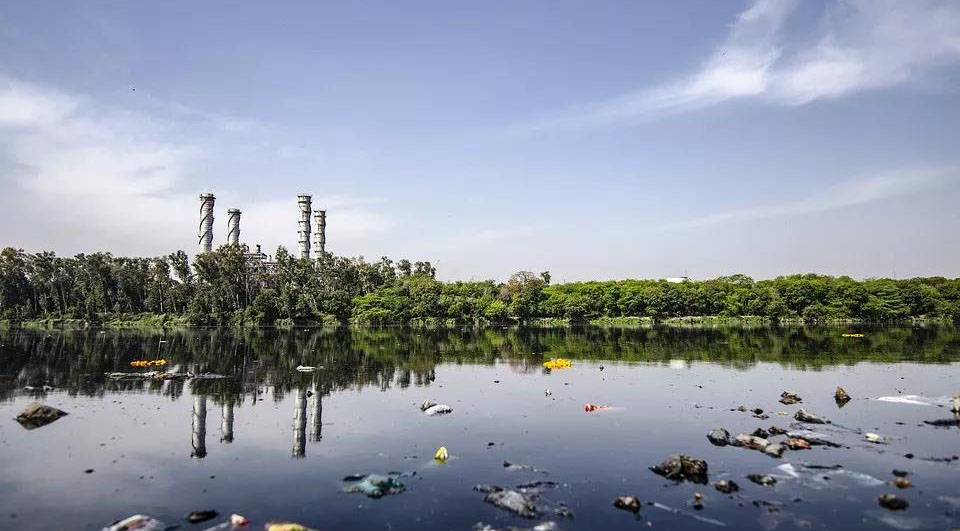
(206, 223)
(303, 201)
(233, 226)
(320, 216)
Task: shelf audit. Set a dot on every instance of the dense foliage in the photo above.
(226, 287)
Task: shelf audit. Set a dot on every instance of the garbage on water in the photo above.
(853, 335)
(138, 522)
(149, 375)
(427, 404)
(763, 479)
(523, 501)
(438, 409)
(627, 503)
(195, 517)
(797, 444)
(810, 418)
(589, 408)
(789, 397)
(441, 454)
(813, 438)
(513, 466)
(901, 483)
(307, 368)
(286, 526)
(37, 415)
(719, 437)
(892, 502)
(544, 526)
(375, 485)
(235, 522)
(726, 486)
(148, 363)
(681, 467)
(841, 397)
(558, 363)
(875, 438)
(827, 476)
(915, 400)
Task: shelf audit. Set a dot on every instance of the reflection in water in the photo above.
(226, 423)
(316, 412)
(300, 424)
(199, 427)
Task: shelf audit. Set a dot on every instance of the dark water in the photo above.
(164, 448)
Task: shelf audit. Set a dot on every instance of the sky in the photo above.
(596, 140)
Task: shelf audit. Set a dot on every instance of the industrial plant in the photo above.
(304, 231)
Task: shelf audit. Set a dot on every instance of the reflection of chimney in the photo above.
(320, 216)
(205, 232)
(233, 226)
(303, 202)
(199, 427)
(226, 424)
(316, 411)
(300, 425)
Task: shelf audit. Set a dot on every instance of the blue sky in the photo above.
(596, 140)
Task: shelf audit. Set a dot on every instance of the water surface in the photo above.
(270, 442)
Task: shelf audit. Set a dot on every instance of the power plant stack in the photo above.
(233, 226)
(320, 216)
(303, 201)
(205, 232)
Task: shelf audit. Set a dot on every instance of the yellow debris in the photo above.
(441, 455)
(559, 363)
(148, 363)
(852, 335)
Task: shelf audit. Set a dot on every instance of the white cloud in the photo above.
(859, 45)
(78, 176)
(845, 194)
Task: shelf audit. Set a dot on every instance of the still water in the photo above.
(269, 442)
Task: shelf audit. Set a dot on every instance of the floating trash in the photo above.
(559, 363)
(148, 363)
(441, 455)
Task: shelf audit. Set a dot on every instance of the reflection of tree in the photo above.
(199, 427)
(257, 359)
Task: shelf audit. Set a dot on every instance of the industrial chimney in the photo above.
(303, 201)
(233, 226)
(320, 216)
(205, 233)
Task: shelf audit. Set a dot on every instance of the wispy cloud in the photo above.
(859, 45)
(77, 175)
(842, 195)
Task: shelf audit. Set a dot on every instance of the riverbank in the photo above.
(161, 321)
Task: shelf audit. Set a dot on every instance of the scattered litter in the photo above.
(593, 407)
(954, 407)
(438, 409)
(762, 433)
(37, 415)
(286, 526)
(375, 485)
(697, 501)
(513, 466)
(944, 422)
(547, 392)
(763, 479)
(841, 397)
(627, 503)
(138, 522)
(719, 437)
(810, 418)
(545, 526)
(427, 404)
(797, 444)
(704, 519)
(441, 454)
(915, 400)
(789, 397)
(235, 522)
(892, 502)
(559, 363)
(148, 363)
(682, 468)
(195, 517)
(819, 476)
(900, 473)
(902, 483)
(307, 368)
(813, 438)
(875, 438)
(726, 486)
(525, 502)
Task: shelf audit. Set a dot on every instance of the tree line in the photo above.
(227, 287)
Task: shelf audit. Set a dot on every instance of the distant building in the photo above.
(677, 280)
